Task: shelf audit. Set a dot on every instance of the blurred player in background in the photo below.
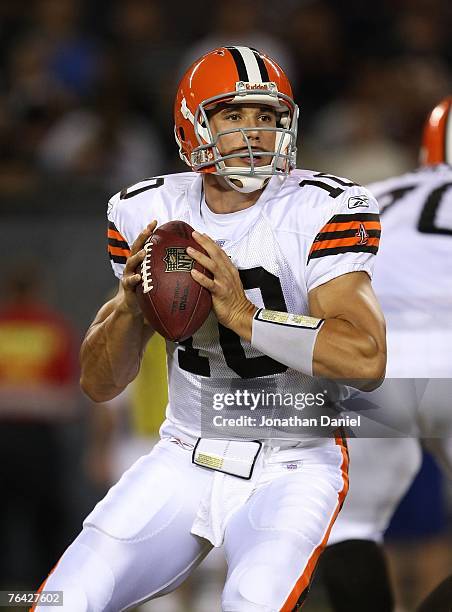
(38, 394)
(413, 281)
(298, 242)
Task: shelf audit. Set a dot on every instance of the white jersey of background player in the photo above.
(413, 281)
(301, 243)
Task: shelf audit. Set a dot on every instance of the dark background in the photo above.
(86, 96)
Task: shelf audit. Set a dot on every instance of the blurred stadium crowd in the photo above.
(86, 97)
(87, 88)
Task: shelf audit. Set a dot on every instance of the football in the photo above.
(172, 302)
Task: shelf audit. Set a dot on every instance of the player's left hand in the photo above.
(230, 304)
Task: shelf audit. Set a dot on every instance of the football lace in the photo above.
(146, 274)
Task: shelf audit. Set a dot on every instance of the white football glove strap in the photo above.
(287, 338)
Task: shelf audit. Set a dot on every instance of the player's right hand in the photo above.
(131, 277)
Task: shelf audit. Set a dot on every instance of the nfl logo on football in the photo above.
(177, 260)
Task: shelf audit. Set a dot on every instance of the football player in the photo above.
(280, 243)
(414, 285)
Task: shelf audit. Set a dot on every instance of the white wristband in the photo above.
(285, 337)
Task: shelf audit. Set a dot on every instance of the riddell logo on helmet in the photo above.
(247, 86)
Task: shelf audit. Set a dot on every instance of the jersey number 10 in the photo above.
(246, 367)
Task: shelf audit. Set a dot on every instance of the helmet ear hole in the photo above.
(181, 133)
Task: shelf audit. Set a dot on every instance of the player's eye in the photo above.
(233, 116)
(266, 118)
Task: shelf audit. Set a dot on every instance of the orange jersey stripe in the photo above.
(348, 225)
(305, 578)
(340, 242)
(116, 235)
(118, 251)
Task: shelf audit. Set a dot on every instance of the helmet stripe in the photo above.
(248, 67)
(239, 63)
(448, 137)
(252, 67)
(262, 67)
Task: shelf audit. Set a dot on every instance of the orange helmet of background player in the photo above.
(437, 140)
(234, 75)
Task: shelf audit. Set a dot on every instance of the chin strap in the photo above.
(246, 184)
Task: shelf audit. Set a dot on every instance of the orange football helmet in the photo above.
(235, 75)
(437, 140)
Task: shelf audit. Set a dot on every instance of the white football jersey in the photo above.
(302, 232)
(413, 274)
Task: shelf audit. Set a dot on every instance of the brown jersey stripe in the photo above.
(360, 217)
(344, 225)
(346, 233)
(113, 232)
(118, 251)
(118, 243)
(118, 248)
(351, 241)
(359, 248)
(118, 259)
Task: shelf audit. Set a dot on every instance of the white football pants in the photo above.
(137, 543)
